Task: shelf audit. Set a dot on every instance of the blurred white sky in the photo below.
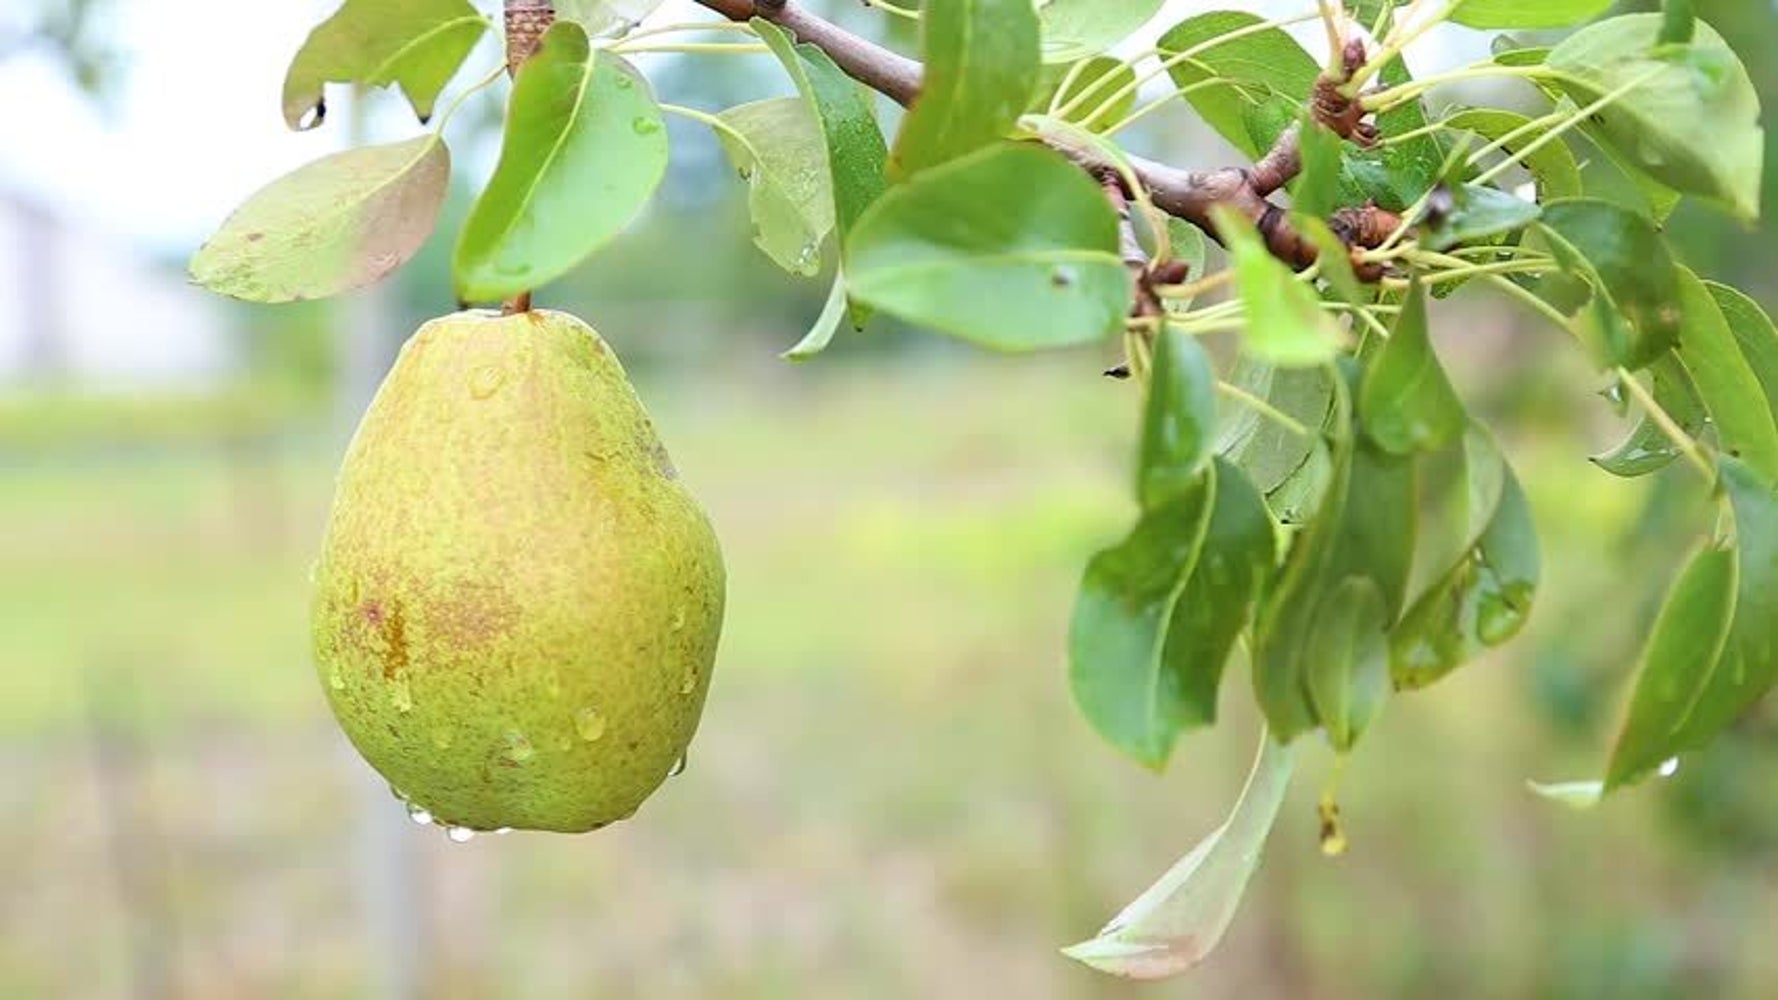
(196, 126)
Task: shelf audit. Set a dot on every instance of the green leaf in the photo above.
(1480, 602)
(1678, 22)
(1178, 419)
(981, 66)
(1407, 402)
(1075, 29)
(1478, 213)
(1527, 13)
(1714, 649)
(856, 152)
(1186, 242)
(1725, 382)
(1334, 260)
(1266, 450)
(821, 333)
(1406, 169)
(1631, 314)
(1093, 83)
(1686, 644)
(1285, 322)
(601, 17)
(1011, 247)
(584, 149)
(1648, 448)
(1228, 79)
(1552, 165)
(1348, 679)
(1118, 631)
(777, 145)
(1755, 334)
(1689, 116)
(342, 222)
(419, 44)
(1180, 919)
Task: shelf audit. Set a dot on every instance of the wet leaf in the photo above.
(1648, 448)
(1407, 402)
(1011, 247)
(342, 222)
(981, 66)
(419, 44)
(584, 149)
(778, 146)
(1618, 283)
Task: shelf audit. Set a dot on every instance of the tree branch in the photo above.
(1185, 194)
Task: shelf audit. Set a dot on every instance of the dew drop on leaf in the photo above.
(1669, 767)
(678, 767)
(643, 125)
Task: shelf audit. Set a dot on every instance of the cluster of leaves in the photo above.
(1316, 494)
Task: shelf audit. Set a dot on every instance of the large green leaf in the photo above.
(1689, 115)
(1695, 678)
(855, 149)
(1179, 419)
(1285, 322)
(1180, 919)
(1012, 247)
(1348, 678)
(1648, 448)
(1230, 79)
(337, 224)
(1754, 331)
(1407, 402)
(1075, 29)
(1552, 164)
(1527, 13)
(981, 67)
(777, 145)
(584, 149)
(419, 44)
(1266, 450)
(1726, 383)
(1618, 281)
(1118, 631)
(1478, 213)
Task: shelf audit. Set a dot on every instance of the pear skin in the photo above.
(517, 604)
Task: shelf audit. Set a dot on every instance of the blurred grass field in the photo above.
(890, 795)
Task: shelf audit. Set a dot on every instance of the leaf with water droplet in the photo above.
(1648, 447)
(1617, 282)
(1181, 918)
(572, 172)
(778, 145)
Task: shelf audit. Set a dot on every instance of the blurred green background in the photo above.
(890, 794)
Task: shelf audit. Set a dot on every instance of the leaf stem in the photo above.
(721, 48)
(1386, 100)
(682, 27)
(470, 91)
(1575, 119)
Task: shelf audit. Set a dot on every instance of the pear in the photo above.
(517, 604)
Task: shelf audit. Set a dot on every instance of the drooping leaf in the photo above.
(1647, 448)
(1179, 419)
(1460, 487)
(1618, 280)
(821, 332)
(1731, 393)
(1689, 114)
(584, 149)
(1527, 13)
(777, 145)
(1552, 165)
(981, 65)
(1755, 334)
(1714, 648)
(1266, 450)
(1285, 322)
(1483, 600)
(418, 44)
(1407, 402)
(1348, 677)
(1479, 212)
(342, 222)
(1180, 919)
(1011, 247)
(856, 152)
(1075, 29)
(1229, 78)
(1118, 630)
(1090, 87)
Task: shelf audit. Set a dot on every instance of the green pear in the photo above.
(517, 604)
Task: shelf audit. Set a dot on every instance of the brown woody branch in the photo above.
(1187, 194)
